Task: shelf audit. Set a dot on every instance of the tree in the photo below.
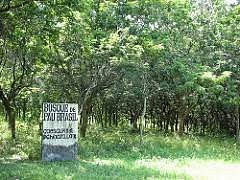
(17, 62)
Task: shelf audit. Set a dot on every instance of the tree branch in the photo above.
(3, 97)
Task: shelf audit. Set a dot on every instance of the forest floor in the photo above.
(117, 154)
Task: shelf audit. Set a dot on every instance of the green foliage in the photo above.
(111, 56)
(25, 146)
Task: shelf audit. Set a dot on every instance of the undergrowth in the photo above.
(116, 154)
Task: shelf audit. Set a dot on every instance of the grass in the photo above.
(117, 154)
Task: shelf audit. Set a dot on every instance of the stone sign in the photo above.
(59, 131)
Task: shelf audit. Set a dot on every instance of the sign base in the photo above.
(59, 153)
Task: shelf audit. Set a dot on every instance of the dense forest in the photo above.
(170, 66)
(152, 86)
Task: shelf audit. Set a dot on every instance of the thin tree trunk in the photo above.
(133, 121)
(10, 112)
(84, 109)
(24, 109)
(237, 124)
(11, 120)
(181, 120)
(142, 119)
(84, 116)
(83, 128)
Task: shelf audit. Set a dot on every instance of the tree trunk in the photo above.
(10, 112)
(84, 117)
(166, 125)
(24, 109)
(11, 120)
(133, 121)
(172, 126)
(142, 120)
(84, 120)
(237, 124)
(84, 110)
(181, 120)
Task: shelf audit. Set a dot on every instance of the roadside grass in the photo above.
(117, 154)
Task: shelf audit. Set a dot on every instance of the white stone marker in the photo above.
(59, 131)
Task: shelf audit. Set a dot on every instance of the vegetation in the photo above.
(133, 67)
(120, 59)
(118, 154)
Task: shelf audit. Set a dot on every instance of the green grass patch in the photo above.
(117, 154)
